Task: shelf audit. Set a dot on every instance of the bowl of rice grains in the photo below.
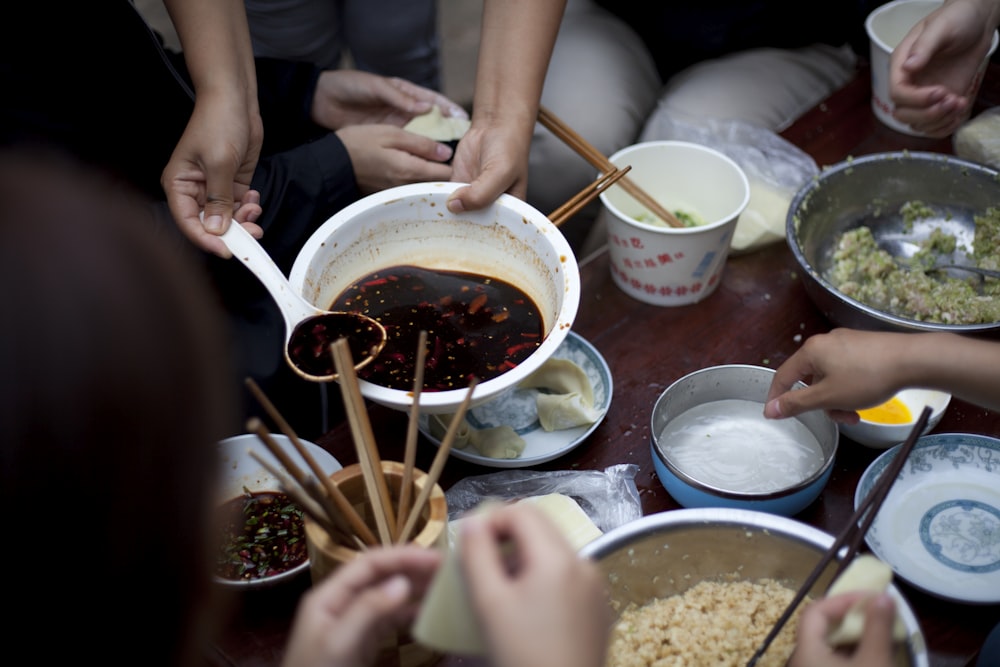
(895, 241)
(705, 586)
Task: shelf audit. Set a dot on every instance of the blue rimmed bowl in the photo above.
(712, 447)
(939, 526)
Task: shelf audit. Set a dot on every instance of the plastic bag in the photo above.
(775, 168)
(609, 497)
(978, 139)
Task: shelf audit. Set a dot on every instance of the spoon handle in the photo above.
(252, 254)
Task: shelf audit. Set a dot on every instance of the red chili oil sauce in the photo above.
(309, 344)
(477, 326)
(262, 535)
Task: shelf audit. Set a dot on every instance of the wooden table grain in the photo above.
(759, 314)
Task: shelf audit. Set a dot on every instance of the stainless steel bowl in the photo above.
(869, 191)
(666, 553)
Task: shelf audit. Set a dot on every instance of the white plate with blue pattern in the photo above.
(516, 408)
(939, 527)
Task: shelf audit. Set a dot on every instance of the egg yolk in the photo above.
(893, 411)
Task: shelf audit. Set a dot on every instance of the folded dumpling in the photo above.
(498, 442)
(568, 401)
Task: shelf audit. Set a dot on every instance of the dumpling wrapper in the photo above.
(446, 621)
(498, 442)
(571, 401)
(435, 125)
(865, 573)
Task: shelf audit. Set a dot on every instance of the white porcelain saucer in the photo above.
(517, 409)
(939, 527)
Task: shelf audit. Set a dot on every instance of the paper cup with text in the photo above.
(886, 27)
(673, 266)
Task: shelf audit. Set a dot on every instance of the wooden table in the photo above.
(759, 315)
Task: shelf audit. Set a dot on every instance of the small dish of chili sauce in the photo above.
(262, 538)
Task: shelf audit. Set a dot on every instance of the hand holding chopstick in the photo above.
(852, 534)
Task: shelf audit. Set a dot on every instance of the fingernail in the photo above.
(213, 223)
(772, 410)
(396, 587)
(442, 152)
(455, 206)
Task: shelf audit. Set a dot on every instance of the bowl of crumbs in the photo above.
(705, 586)
(903, 241)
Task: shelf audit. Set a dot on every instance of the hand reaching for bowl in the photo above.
(849, 370)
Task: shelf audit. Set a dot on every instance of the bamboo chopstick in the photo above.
(588, 152)
(444, 449)
(344, 506)
(584, 196)
(410, 452)
(853, 533)
(364, 442)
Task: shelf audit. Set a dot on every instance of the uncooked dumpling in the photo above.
(570, 399)
(498, 442)
(865, 573)
(437, 126)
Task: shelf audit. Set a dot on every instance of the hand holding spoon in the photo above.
(309, 331)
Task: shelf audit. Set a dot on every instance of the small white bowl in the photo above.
(411, 225)
(240, 471)
(882, 436)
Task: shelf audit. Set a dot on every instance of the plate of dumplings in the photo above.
(547, 415)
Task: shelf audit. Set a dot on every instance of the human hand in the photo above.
(819, 617)
(341, 621)
(493, 158)
(933, 71)
(384, 156)
(846, 370)
(537, 601)
(352, 97)
(211, 168)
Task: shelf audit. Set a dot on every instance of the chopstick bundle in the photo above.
(364, 442)
(584, 196)
(853, 533)
(589, 153)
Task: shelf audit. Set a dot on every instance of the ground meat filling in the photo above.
(866, 273)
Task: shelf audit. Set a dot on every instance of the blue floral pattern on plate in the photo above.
(516, 408)
(939, 527)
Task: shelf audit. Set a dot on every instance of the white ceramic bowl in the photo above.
(666, 553)
(878, 435)
(939, 525)
(411, 224)
(730, 455)
(240, 471)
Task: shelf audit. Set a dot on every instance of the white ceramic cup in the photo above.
(886, 27)
(668, 266)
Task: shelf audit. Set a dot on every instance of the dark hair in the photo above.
(114, 388)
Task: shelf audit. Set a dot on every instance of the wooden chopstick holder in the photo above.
(589, 153)
(356, 523)
(584, 196)
(410, 450)
(364, 442)
(852, 534)
(437, 465)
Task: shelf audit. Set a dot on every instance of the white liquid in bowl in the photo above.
(729, 445)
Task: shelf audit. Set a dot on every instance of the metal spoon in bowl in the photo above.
(309, 331)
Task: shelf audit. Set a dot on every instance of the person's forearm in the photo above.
(967, 368)
(989, 9)
(516, 44)
(216, 44)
